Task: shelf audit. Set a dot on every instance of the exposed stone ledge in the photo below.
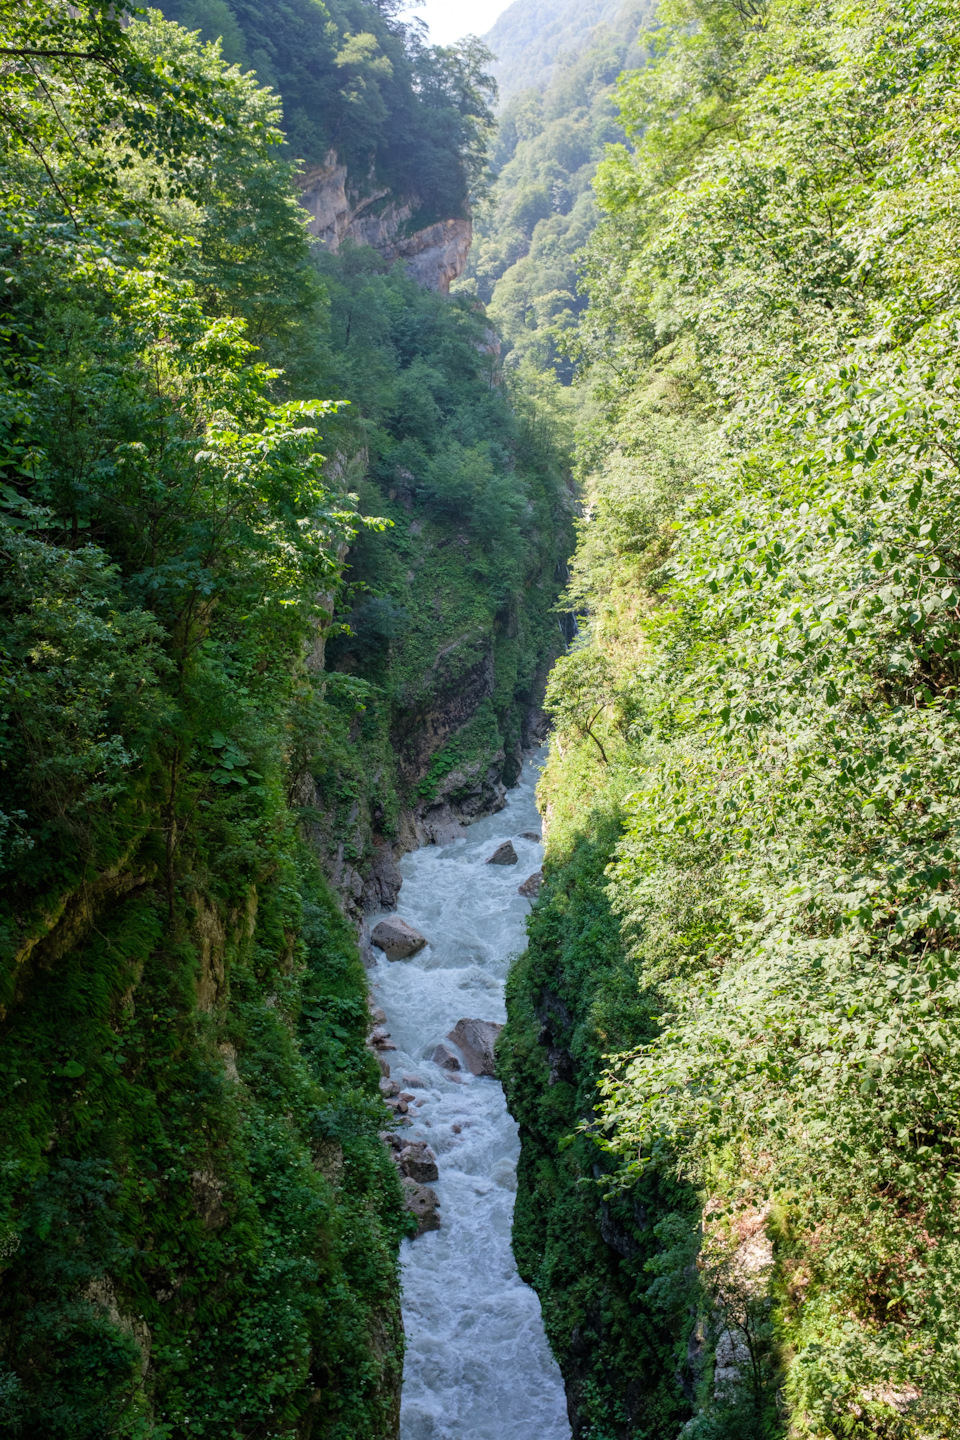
(434, 256)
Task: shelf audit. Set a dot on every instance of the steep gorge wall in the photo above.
(611, 1268)
(459, 699)
(434, 255)
(200, 1226)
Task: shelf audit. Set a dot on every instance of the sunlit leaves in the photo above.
(790, 877)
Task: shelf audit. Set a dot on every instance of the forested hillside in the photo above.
(229, 700)
(285, 583)
(541, 211)
(354, 79)
(532, 37)
(746, 948)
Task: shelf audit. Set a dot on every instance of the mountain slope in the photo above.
(531, 37)
(199, 1226)
(732, 1046)
(541, 212)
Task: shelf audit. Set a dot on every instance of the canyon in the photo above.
(479, 597)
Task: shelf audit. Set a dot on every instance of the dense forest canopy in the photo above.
(765, 697)
(531, 38)
(355, 79)
(198, 1224)
(530, 231)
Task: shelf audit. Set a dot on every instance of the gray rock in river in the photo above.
(379, 1038)
(531, 886)
(397, 939)
(382, 885)
(447, 834)
(366, 949)
(476, 1039)
(418, 1162)
(530, 835)
(503, 855)
(445, 1058)
(423, 1203)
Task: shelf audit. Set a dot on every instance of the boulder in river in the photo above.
(397, 939)
(389, 1087)
(503, 855)
(423, 1203)
(418, 1162)
(445, 1058)
(531, 886)
(476, 1040)
(379, 1038)
(530, 835)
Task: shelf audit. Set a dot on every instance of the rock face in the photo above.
(504, 854)
(435, 256)
(531, 886)
(397, 939)
(323, 192)
(383, 882)
(423, 1203)
(445, 1058)
(476, 1040)
(418, 1162)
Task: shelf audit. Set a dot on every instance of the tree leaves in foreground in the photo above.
(773, 332)
(199, 1225)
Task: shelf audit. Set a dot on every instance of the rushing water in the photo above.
(478, 1366)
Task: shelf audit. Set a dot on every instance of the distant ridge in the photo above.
(531, 35)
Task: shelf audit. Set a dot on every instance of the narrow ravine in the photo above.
(478, 1366)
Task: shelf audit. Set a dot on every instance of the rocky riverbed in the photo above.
(478, 1366)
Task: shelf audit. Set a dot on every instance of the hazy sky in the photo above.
(449, 19)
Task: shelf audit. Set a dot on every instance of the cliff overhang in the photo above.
(435, 255)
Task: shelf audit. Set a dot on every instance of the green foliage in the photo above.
(353, 79)
(542, 211)
(450, 607)
(771, 574)
(199, 1225)
(195, 1251)
(532, 38)
(614, 1300)
(188, 1246)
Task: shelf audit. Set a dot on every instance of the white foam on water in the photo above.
(478, 1366)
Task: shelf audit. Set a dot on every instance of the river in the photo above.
(478, 1366)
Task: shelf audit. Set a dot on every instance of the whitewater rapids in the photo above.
(478, 1366)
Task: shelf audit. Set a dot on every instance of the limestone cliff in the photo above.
(435, 254)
